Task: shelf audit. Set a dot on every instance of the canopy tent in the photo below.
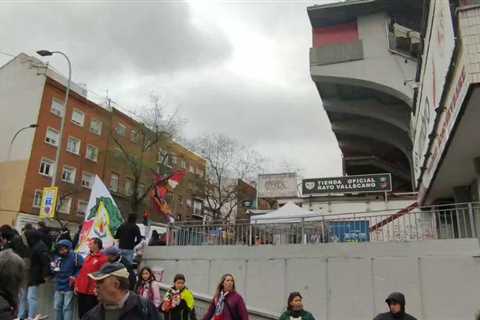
(289, 213)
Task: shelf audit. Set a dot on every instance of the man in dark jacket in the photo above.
(116, 302)
(129, 236)
(39, 270)
(66, 267)
(396, 305)
(114, 256)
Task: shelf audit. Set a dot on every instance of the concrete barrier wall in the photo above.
(440, 278)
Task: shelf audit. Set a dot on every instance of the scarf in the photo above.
(146, 291)
(220, 305)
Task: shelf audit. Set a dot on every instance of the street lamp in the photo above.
(46, 53)
(34, 125)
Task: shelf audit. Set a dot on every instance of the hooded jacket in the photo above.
(92, 263)
(40, 259)
(400, 298)
(65, 267)
(185, 310)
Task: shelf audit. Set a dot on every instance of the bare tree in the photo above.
(227, 162)
(149, 152)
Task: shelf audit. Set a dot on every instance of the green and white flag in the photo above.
(102, 218)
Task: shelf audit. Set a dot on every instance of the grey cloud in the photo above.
(110, 38)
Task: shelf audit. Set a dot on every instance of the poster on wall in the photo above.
(349, 231)
(48, 203)
(283, 185)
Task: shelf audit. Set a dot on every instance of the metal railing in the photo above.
(409, 224)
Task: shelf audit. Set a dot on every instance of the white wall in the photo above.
(21, 92)
(339, 281)
(383, 70)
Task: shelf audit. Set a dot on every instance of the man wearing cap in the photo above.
(396, 305)
(116, 301)
(114, 254)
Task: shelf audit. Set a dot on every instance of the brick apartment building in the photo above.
(32, 93)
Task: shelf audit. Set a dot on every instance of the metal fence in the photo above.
(409, 224)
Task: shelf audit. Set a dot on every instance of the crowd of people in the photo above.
(106, 286)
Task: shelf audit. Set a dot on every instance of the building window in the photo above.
(73, 145)
(65, 205)
(78, 117)
(183, 164)
(197, 207)
(52, 137)
(96, 127)
(82, 207)
(121, 129)
(92, 153)
(163, 157)
(68, 174)
(140, 189)
(87, 180)
(192, 169)
(134, 136)
(37, 198)
(57, 108)
(47, 167)
(171, 160)
(114, 182)
(128, 187)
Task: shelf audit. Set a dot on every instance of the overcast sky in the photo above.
(235, 67)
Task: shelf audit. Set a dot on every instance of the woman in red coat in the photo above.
(227, 304)
(85, 287)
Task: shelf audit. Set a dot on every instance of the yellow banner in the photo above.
(49, 202)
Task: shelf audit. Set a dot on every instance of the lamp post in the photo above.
(45, 53)
(34, 125)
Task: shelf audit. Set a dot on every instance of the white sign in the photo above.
(437, 57)
(282, 185)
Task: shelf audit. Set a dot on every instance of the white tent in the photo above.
(289, 213)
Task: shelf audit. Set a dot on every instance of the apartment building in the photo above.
(92, 143)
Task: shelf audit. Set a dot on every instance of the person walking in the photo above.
(65, 267)
(155, 239)
(12, 275)
(45, 234)
(115, 300)
(148, 287)
(227, 304)
(396, 305)
(128, 235)
(178, 303)
(295, 309)
(114, 255)
(85, 286)
(37, 273)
